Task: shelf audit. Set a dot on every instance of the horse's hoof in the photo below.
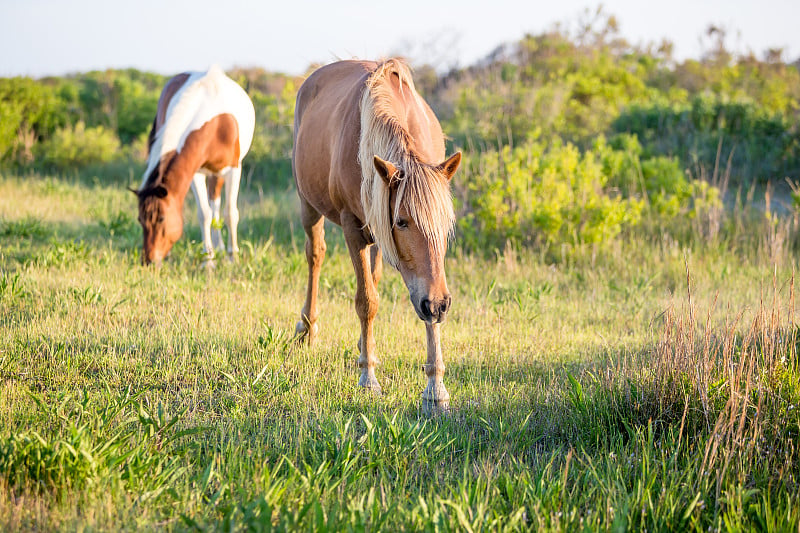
(435, 398)
(302, 334)
(430, 408)
(370, 383)
(435, 392)
(233, 257)
(209, 264)
(374, 390)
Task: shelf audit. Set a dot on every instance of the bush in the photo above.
(74, 147)
(549, 197)
(658, 180)
(558, 196)
(708, 131)
(270, 155)
(29, 110)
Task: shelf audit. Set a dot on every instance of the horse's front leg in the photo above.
(203, 216)
(435, 394)
(366, 298)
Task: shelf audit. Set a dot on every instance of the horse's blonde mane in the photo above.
(422, 189)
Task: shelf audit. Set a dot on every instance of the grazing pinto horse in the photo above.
(369, 155)
(203, 129)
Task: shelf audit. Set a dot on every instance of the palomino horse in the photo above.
(369, 155)
(203, 129)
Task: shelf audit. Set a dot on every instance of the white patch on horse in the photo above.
(204, 96)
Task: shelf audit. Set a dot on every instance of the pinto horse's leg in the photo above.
(203, 214)
(214, 183)
(366, 296)
(314, 226)
(231, 210)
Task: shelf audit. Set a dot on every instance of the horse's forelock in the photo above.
(425, 193)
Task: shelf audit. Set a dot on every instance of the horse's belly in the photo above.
(312, 186)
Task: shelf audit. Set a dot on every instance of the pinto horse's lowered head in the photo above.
(161, 217)
(420, 221)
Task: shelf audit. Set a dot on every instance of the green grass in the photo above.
(585, 394)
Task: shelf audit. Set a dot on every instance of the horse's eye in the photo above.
(160, 220)
(402, 223)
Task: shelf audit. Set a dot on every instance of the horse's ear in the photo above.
(134, 191)
(386, 170)
(450, 166)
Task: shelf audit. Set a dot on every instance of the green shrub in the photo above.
(549, 197)
(658, 180)
(269, 159)
(73, 147)
(557, 196)
(709, 131)
(29, 110)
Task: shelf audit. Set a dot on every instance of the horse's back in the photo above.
(326, 133)
(221, 95)
(330, 84)
(170, 89)
(194, 98)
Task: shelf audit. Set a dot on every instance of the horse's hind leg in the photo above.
(314, 226)
(231, 209)
(368, 271)
(203, 215)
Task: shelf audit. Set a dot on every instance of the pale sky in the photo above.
(53, 37)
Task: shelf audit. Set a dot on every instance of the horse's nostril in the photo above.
(426, 307)
(446, 304)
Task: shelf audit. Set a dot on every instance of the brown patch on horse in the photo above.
(214, 184)
(151, 137)
(213, 147)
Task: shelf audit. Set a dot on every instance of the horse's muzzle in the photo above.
(434, 312)
(154, 261)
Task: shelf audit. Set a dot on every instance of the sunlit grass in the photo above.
(134, 398)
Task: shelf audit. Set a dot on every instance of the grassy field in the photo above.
(603, 394)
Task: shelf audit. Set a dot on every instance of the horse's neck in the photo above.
(179, 174)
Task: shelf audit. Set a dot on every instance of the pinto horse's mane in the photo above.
(180, 120)
(421, 188)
